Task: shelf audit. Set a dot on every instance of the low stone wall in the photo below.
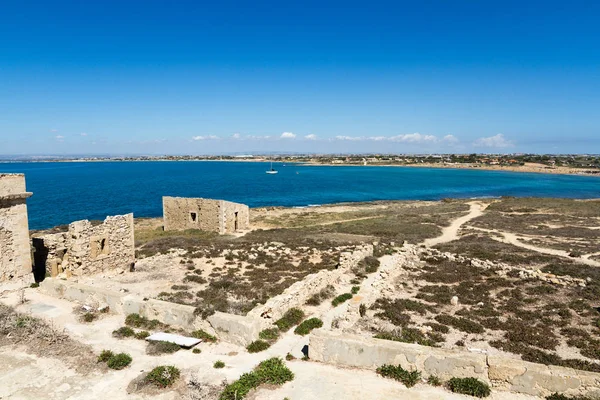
(502, 373)
(355, 351)
(83, 294)
(297, 294)
(236, 329)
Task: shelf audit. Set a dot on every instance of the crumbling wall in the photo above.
(502, 373)
(297, 294)
(86, 248)
(15, 248)
(236, 217)
(180, 213)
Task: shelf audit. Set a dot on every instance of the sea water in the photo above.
(70, 191)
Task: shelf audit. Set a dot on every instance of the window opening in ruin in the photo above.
(193, 216)
(235, 224)
(102, 245)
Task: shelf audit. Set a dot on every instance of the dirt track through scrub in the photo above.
(450, 233)
(511, 238)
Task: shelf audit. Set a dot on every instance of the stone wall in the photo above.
(86, 248)
(219, 216)
(502, 373)
(15, 248)
(297, 294)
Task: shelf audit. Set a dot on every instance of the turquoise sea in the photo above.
(69, 191)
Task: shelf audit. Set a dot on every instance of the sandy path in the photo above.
(326, 382)
(450, 233)
(520, 241)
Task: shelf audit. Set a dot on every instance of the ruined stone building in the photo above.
(86, 248)
(180, 213)
(15, 250)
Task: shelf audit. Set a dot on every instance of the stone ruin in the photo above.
(15, 250)
(180, 213)
(86, 248)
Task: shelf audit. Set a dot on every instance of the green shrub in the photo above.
(305, 327)
(272, 371)
(355, 289)
(34, 285)
(269, 334)
(142, 335)
(257, 346)
(161, 347)
(163, 376)
(289, 357)
(123, 332)
(205, 336)
(88, 317)
(408, 378)
(137, 321)
(119, 361)
(341, 298)
(291, 317)
(434, 380)
(471, 386)
(196, 351)
(219, 364)
(105, 355)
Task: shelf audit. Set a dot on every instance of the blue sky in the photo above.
(194, 77)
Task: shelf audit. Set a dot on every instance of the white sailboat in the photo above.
(271, 171)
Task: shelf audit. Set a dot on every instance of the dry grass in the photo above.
(44, 340)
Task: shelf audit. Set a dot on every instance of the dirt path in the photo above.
(520, 241)
(450, 233)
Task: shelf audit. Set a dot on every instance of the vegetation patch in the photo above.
(462, 324)
(161, 347)
(341, 299)
(137, 321)
(471, 386)
(292, 317)
(258, 346)
(114, 361)
(408, 378)
(269, 372)
(317, 298)
(219, 364)
(119, 361)
(305, 327)
(123, 332)
(412, 335)
(271, 334)
(205, 336)
(163, 376)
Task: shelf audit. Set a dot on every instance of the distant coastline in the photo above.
(527, 167)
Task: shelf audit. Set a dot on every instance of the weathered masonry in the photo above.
(86, 248)
(180, 213)
(15, 250)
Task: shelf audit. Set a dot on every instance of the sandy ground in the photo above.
(26, 376)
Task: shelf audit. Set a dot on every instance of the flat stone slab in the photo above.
(183, 341)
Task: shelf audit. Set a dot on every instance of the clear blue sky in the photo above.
(194, 77)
